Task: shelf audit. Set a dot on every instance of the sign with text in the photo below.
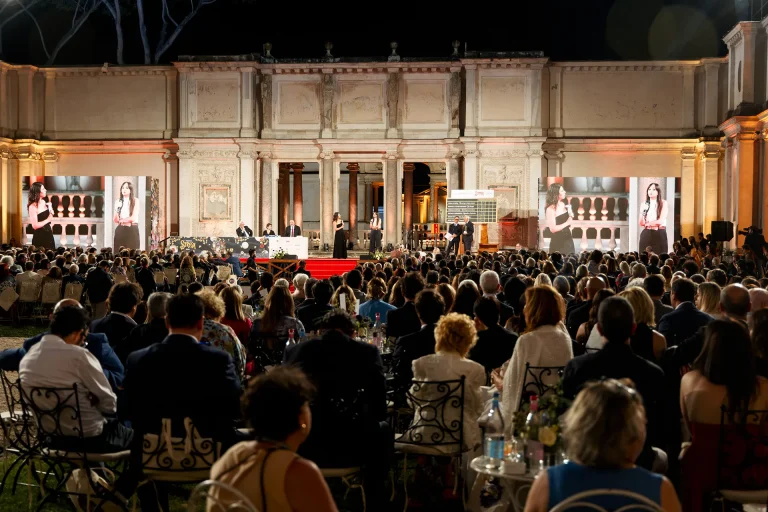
(472, 194)
(478, 210)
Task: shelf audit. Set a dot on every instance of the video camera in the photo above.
(751, 230)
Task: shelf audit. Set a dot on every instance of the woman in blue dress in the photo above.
(604, 432)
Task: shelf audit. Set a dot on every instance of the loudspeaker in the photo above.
(722, 230)
(366, 257)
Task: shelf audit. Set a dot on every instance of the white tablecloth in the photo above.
(297, 245)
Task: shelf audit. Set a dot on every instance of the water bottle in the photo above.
(534, 450)
(376, 332)
(291, 339)
(494, 435)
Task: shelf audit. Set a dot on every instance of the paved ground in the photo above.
(4, 344)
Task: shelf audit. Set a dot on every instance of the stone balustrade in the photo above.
(78, 219)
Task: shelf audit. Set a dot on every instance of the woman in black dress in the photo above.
(339, 240)
(40, 216)
(559, 220)
(127, 219)
(375, 235)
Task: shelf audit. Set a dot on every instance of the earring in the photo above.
(303, 426)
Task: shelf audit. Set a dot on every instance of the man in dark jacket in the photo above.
(494, 344)
(404, 320)
(97, 285)
(685, 320)
(118, 324)
(455, 231)
(146, 335)
(580, 314)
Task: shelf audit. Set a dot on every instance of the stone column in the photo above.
(246, 102)
(27, 128)
(711, 163)
(171, 193)
(327, 186)
(186, 193)
(375, 197)
(470, 166)
(247, 156)
(391, 200)
(353, 169)
(366, 191)
(5, 199)
(49, 128)
(452, 174)
(4, 121)
(744, 179)
(284, 193)
(266, 191)
(434, 193)
(267, 132)
(470, 118)
(687, 192)
(393, 96)
(298, 194)
(408, 195)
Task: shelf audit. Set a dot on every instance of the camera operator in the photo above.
(754, 243)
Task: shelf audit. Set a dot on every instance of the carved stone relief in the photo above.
(361, 103)
(454, 98)
(217, 100)
(266, 100)
(216, 185)
(392, 97)
(329, 84)
(299, 103)
(503, 98)
(424, 102)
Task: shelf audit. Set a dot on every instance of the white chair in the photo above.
(248, 311)
(51, 293)
(207, 496)
(581, 501)
(73, 291)
(30, 290)
(170, 274)
(159, 277)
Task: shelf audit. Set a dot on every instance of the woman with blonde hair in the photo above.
(646, 342)
(544, 343)
(299, 280)
(542, 279)
(708, 298)
(219, 335)
(455, 334)
(187, 273)
(602, 454)
(349, 299)
(233, 314)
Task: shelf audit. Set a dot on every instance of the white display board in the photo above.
(297, 245)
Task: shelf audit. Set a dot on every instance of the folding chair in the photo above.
(73, 291)
(213, 496)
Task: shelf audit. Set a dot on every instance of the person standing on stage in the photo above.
(375, 234)
(339, 240)
(292, 230)
(244, 231)
(653, 220)
(467, 234)
(40, 216)
(455, 231)
(127, 218)
(559, 218)
(268, 231)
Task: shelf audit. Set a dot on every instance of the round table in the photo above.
(516, 484)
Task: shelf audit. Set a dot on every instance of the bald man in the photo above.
(580, 313)
(97, 345)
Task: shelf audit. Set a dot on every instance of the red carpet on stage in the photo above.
(323, 268)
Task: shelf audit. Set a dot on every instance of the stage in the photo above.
(318, 267)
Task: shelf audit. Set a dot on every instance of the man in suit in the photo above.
(97, 286)
(490, 285)
(429, 308)
(244, 231)
(96, 343)
(494, 344)
(145, 335)
(654, 285)
(468, 234)
(685, 320)
(292, 229)
(580, 314)
(118, 324)
(616, 323)
(180, 377)
(405, 320)
(349, 413)
(455, 230)
(312, 314)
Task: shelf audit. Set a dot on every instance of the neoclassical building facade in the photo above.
(304, 139)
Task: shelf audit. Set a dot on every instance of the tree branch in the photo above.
(39, 30)
(87, 11)
(114, 10)
(164, 43)
(143, 32)
(21, 11)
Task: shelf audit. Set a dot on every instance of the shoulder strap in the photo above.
(261, 479)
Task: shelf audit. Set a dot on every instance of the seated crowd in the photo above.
(621, 330)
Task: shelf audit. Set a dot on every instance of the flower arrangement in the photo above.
(379, 255)
(279, 254)
(363, 323)
(551, 409)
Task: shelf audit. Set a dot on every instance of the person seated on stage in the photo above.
(235, 262)
(268, 231)
(243, 231)
(292, 229)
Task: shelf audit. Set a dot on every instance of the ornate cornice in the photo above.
(210, 154)
(501, 153)
(327, 155)
(107, 70)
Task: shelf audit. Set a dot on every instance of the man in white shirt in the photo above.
(59, 360)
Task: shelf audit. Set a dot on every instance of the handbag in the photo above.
(162, 452)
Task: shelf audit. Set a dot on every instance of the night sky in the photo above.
(575, 30)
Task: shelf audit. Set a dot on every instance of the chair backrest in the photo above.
(586, 500)
(213, 496)
(30, 290)
(159, 277)
(742, 453)
(591, 350)
(170, 274)
(438, 419)
(51, 292)
(57, 411)
(178, 457)
(8, 297)
(223, 272)
(17, 428)
(119, 278)
(73, 291)
(199, 272)
(248, 310)
(539, 380)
